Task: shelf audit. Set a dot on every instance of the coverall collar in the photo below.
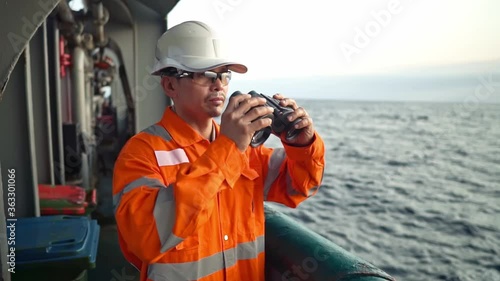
(180, 131)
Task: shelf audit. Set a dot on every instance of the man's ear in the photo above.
(169, 85)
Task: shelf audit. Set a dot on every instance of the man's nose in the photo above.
(217, 84)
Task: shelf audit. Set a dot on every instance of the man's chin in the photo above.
(216, 114)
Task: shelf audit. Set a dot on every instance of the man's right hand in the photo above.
(241, 119)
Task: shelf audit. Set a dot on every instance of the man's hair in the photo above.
(169, 71)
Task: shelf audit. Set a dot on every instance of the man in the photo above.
(189, 195)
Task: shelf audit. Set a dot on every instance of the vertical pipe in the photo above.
(78, 90)
(57, 64)
(136, 83)
(89, 105)
(101, 17)
(89, 93)
(31, 131)
(47, 103)
(80, 107)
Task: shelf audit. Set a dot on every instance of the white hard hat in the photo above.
(192, 46)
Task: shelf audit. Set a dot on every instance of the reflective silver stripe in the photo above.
(311, 191)
(164, 213)
(144, 181)
(290, 191)
(206, 266)
(157, 130)
(275, 162)
(293, 192)
(289, 186)
(273, 171)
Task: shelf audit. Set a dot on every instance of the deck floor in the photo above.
(110, 263)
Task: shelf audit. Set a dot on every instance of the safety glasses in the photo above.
(207, 78)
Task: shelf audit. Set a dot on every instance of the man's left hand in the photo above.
(307, 134)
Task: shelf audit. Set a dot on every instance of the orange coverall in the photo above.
(187, 209)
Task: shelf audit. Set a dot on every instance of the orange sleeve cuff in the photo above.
(315, 150)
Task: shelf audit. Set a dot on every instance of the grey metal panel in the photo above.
(162, 7)
(149, 96)
(19, 21)
(119, 12)
(14, 143)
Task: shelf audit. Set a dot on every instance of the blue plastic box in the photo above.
(55, 247)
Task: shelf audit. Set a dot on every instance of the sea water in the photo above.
(413, 188)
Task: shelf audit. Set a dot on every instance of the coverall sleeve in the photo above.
(292, 174)
(154, 215)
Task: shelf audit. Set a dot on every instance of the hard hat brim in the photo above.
(197, 64)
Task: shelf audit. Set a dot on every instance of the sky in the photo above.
(279, 40)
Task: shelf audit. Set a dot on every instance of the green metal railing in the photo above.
(295, 253)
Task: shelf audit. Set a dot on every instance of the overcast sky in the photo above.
(283, 39)
(287, 37)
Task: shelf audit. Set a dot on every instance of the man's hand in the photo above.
(306, 135)
(241, 119)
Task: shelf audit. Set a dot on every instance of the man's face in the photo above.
(201, 100)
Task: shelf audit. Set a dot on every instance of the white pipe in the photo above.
(47, 103)
(101, 17)
(78, 95)
(31, 131)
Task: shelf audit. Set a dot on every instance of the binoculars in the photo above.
(279, 119)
